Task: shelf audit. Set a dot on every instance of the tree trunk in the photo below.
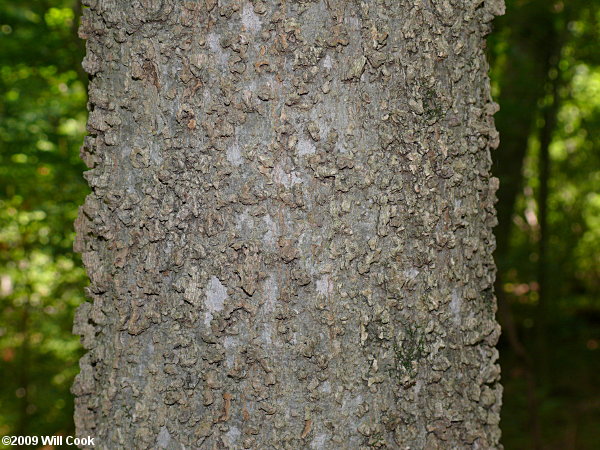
(289, 235)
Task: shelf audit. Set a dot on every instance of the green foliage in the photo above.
(42, 122)
(546, 77)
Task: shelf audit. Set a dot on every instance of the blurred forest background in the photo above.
(545, 70)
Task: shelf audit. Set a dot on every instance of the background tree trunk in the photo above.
(289, 236)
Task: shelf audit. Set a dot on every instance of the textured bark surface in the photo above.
(289, 235)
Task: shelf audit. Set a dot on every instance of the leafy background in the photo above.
(545, 70)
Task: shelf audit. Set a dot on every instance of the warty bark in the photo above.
(289, 231)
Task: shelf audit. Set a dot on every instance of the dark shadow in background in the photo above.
(544, 57)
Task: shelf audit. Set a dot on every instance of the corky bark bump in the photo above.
(289, 231)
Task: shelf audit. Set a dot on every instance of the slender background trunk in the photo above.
(289, 236)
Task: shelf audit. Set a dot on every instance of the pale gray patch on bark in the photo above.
(232, 437)
(305, 147)
(250, 20)
(163, 438)
(216, 294)
(234, 155)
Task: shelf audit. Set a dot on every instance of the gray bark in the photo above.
(289, 235)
